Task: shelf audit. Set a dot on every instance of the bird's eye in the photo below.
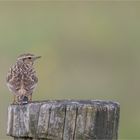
(29, 58)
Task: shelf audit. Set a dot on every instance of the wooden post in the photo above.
(64, 120)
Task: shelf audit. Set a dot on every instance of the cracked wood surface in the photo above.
(64, 120)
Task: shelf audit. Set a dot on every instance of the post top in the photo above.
(74, 102)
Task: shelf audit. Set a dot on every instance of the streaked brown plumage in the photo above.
(21, 78)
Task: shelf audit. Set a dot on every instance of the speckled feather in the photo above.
(18, 73)
(21, 76)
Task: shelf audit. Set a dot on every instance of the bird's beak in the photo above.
(36, 57)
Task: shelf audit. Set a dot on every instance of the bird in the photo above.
(21, 78)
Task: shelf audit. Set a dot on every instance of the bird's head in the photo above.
(27, 58)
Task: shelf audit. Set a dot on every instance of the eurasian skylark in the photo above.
(21, 78)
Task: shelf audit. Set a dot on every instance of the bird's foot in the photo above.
(29, 101)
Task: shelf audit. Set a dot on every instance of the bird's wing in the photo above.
(34, 82)
(34, 78)
(10, 79)
(9, 75)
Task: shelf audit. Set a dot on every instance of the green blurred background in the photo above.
(90, 50)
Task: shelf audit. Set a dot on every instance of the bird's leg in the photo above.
(30, 98)
(15, 99)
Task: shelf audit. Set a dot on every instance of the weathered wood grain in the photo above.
(64, 120)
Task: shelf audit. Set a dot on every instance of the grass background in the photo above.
(90, 50)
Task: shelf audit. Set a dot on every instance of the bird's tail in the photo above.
(23, 99)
